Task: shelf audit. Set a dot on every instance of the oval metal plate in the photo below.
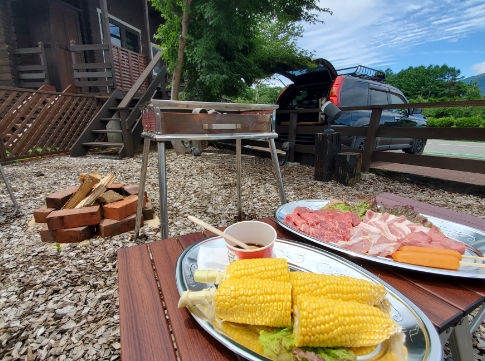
(422, 340)
(473, 238)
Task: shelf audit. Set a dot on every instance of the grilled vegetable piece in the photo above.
(335, 287)
(246, 300)
(275, 269)
(242, 334)
(254, 302)
(322, 322)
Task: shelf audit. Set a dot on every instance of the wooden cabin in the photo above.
(73, 74)
(97, 46)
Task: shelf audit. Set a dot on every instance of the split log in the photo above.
(327, 145)
(88, 182)
(348, 168)
(98, 190)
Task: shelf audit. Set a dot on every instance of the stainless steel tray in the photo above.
(421, 339)
(473, 238)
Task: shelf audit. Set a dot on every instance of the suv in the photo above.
(361, 87)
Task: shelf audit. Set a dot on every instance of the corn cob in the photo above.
(248, 301)
(336, 287)
(322, 322)
(242, 334)
(275, 269)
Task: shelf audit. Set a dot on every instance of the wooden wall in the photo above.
(7, 39)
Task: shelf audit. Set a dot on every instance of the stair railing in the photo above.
(127, 118)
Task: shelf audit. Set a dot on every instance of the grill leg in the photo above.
(238, 171)
(461, 342)
(141, 185)
(10, 192)
(162, 186)
(276, 165)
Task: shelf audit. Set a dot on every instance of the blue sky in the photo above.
(398, 34)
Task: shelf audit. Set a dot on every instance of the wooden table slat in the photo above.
(444, 288)
(186, 240)
(144, 330)
(193, 342)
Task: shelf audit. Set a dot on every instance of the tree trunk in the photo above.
(177, 72)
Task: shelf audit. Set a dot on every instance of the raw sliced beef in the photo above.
(312, 219)
(437, 236)
(300, 210)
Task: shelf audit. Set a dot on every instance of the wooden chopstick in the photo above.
(472, 264)
(474, 257)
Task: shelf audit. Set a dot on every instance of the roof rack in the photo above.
(364, 72)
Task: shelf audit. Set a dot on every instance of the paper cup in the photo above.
(250, 232)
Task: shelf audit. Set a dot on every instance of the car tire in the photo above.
(358, 143)
(417, 147)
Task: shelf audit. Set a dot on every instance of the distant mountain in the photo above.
(480, 79)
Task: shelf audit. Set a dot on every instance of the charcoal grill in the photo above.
(170, 120)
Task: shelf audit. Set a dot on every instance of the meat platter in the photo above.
(470, 241)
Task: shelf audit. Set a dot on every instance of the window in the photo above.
(115, 33)
(377, 97)
(132, 41)
(122, 34)
(396, 99)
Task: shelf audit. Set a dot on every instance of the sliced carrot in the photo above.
(442, 251)
(427, 259)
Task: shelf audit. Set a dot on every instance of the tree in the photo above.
(432, 82)
(224, 48)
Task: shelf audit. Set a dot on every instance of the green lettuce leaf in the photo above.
(279, 345)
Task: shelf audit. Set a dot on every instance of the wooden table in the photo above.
(153, 328)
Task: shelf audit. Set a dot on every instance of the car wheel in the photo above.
(359, 143)
(417, 147)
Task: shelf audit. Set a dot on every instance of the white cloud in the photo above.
(374, 32)
(479, 68)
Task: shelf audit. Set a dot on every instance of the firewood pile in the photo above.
(96, 206)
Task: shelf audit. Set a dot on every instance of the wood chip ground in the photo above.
(63, 304)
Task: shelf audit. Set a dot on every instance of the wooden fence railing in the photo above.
(35, 123)
(374, 130)
(128, 67)
(34, 73)
(88, 75)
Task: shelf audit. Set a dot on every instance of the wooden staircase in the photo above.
(123, 108)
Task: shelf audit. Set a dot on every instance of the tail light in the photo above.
(335, 91)
(282, 94)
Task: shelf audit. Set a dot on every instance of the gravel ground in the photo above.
(62, 304)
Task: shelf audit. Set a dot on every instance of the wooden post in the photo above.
(292, 134)
(107, 54)
(327, 145)
(370, 141)
(44, 62)
(347, 167)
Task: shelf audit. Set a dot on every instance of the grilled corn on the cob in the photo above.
(343, 288)
(275, 269)
(322, 322)
(248, 301)
(242, 334)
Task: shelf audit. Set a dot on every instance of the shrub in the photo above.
(432, 122)
(445, 122)
(470, 122)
